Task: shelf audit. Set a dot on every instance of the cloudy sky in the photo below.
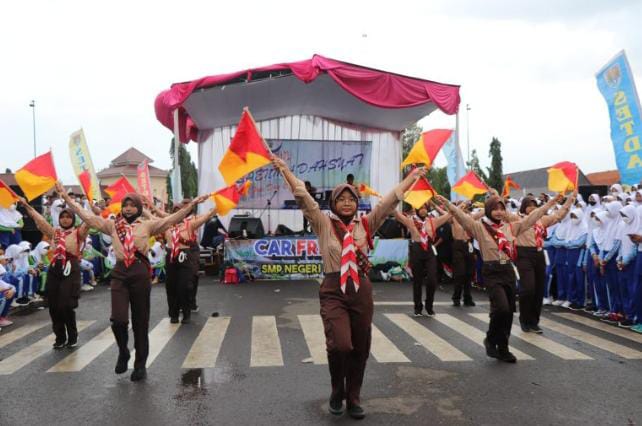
(526, 67)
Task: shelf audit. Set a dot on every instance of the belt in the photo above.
(497, 262)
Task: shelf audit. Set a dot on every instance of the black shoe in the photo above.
(505, 355)
(58, 345)
(590, 308)
(430, 313)
(456, 303)
(491, 350)
(335, 407)
(356, 412)
(417, 313)
(627, 323)
(121, 364)
(576, 307)
(138, 374)
(186, 320)
(194, 308)
(536, 329)
(469, 303)
(525, 327)
(173, 320)
(72, 343)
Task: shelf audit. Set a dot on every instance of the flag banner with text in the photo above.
(81, 162)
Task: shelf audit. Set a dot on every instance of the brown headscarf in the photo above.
(338, 190)
(138, 202)
(528, 200)
(71, 213)
(491, 204)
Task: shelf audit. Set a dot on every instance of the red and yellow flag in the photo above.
(563, 177)
(228, 198)
(7, 196)
(419, 193)
(246, 153)
(37, 176)
(365, 191)
(470, 185)
(426, 148)
(508, 184)
(119, 189)
(85, 183)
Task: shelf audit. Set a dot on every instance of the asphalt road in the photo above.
(423, 370)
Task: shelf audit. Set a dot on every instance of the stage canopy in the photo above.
(319, 86)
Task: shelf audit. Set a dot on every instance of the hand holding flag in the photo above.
(419, 193)
(37, 176)
(365, 190)
(425, 150)
(563, 177)
(470, 185)
(228, 198)
(508, 184)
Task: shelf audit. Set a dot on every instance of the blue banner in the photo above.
(616, 84)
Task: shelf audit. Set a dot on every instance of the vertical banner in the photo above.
(175, 177)
(144, 183)
(456, 168)
(81, 161)
(616, 84)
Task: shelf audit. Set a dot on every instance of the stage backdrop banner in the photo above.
(299, 258)
(616, 84)
(324, 163)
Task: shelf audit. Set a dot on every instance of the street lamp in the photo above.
(468, 130)
(32, 104)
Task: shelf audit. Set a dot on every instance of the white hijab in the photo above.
(577, 227)
(633, 227)
(616, 187)
(612, 232)
(9, 217)
(599, 232)
(41, 250)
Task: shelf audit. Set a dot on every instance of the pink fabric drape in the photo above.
(378, 88)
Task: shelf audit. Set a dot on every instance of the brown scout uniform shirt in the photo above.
(72, 241)
(414, 232)
(527, 237)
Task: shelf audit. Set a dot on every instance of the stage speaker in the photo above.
(390, 229)
(252, 226)
(283, 230)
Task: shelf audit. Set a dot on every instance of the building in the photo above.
(125, 165)
(607, 178)
(536, 181)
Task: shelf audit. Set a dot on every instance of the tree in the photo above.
(474, 165)
(495, 171)
(189, 175)
(409, 137)
(438, 177)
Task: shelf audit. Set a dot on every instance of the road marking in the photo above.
(266, 347)
(383, 350)
(542, 342)
(206, 347)
(474, 334)
(601, 326)
(82, 356)
(21, 358)
(158, 338)
(590, 339)
(19, 333)
(314, 335)
(429, 340)
(384, 303)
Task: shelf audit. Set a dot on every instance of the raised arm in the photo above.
(403, 219)
(556, 217)
(465, 220)
(158, 226)
(534, 216)
(96, 222)
(41, 223)
(202, 218)
(153, 210)
(385, 206)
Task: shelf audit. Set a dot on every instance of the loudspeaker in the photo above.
(390, 229)
(283, 230)
(252, 226)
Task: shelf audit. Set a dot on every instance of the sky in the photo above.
(526, 68)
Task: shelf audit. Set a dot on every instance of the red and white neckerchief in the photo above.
(60, 241)
(126, 236)
(349, 267)
(421, 227)
(500, 238)
(540, 235)
(176, 237)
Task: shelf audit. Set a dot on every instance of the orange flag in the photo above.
(228, 198)
(419, 193)
(508, 184)
(365, 190)
(118, 189)
(7, 196)
(470, 185)
(426, 148)
(37, 176)
(85, 182)
(246, 153)
(563, 177)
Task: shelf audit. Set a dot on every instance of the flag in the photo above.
(365, 190)
(508, 184)
(37, 176)
(117, 192)
(143, 181)
(228, 198)
(85, 183)
(81, 161)
(426, 148)
(7, 196)
(456, 168)
(470, 185)
(563, 177)
(246, 153)
(419, 193)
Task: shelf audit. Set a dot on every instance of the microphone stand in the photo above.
(268, 207)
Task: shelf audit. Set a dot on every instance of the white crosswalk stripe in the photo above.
(158, 338)
(383, 350)
(266, 346)
(23, 357)
(473, 333)
(81, 357)
(206, 347)
(12, 336)
(312, 327)
(429, 340)
(600, 326)
(542, 342)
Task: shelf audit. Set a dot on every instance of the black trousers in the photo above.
(179, 283)
(463, 268)
(531, 265)
(63, 293)
(423, 264)
(499, 280)
(131, 287)
(196, 257)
